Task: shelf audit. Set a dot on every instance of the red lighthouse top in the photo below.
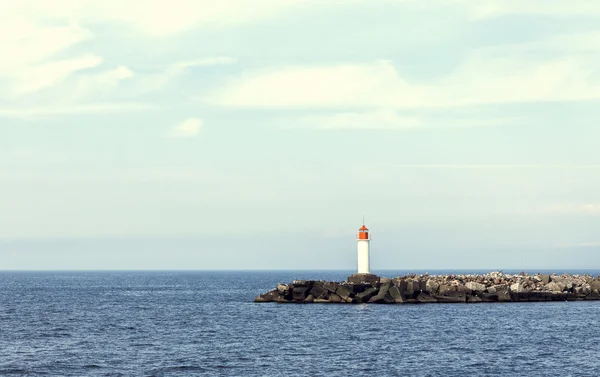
(363, 233)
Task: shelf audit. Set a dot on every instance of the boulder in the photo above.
(519, 287)
(595, 284)
(395, 293)
(366, 295)
(283, 289)
(300, 293)
(334, 298)
(444, 289)
(451, 297)
(545, 278)
(381, 294)
(267, 297)
(594, 295)
(474, 299)
(477, 287)
(402, 285)
(330, 286)
(425, 298)
(463, 289)
(503, 292)
(488, 297)
(321, 301)
(343, 292)
(555, 287)
(432, 286)
(309, 298)
(318, 291)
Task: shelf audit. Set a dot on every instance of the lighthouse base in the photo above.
(363, 278)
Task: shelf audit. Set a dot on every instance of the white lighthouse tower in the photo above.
(364, 257)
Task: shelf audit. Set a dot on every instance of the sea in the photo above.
(205, 323)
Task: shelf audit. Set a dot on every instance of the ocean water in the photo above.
(205, 324)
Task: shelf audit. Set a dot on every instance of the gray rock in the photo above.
(283, 289)
(330, 286)
(366, 295)
(425, 298)
(451, 297)
(474, 299)
(343, 292)
(300, 293)
(335, 298)
(267, 297)
(309, 298)
(432, 286)
(555, 287)
(477, 287)
(318, 291)
(545, 279)
(446, 289)
(395, 293)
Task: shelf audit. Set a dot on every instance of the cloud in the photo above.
(496, 8)
(490, 75)
(344, 85)
(31, 113)
(188, 128)
(50, 74)
(155, 18)
(573, 209)
(382, 119)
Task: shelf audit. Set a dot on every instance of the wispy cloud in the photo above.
(501, 74)
(188, 128)
(493, 166)
(97, 108)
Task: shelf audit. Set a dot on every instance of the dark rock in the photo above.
(474, 299)
(381, 294)
(317, 290)
(364, 278)
(335, 298)
(395, 293)
(343, 292)
(309, 298)
(358, 288)
(425, 298)
(444, 289)
(503, 292)
(267, 297)
(331, 286)
(366, 295)
(300, 293)
(303, 283)
(452, 297)
(488, 297)
(595, 295)
(463, 289)
(283, 289)
(402, 285)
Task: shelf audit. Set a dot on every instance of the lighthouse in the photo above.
(363, 241)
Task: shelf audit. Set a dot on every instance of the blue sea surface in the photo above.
(205, 323)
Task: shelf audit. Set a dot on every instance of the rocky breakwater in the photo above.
(413, 289)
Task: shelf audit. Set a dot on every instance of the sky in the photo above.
(194, 134)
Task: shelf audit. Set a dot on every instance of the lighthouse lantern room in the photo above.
(364, 258)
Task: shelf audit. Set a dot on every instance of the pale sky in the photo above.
(193, 134)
